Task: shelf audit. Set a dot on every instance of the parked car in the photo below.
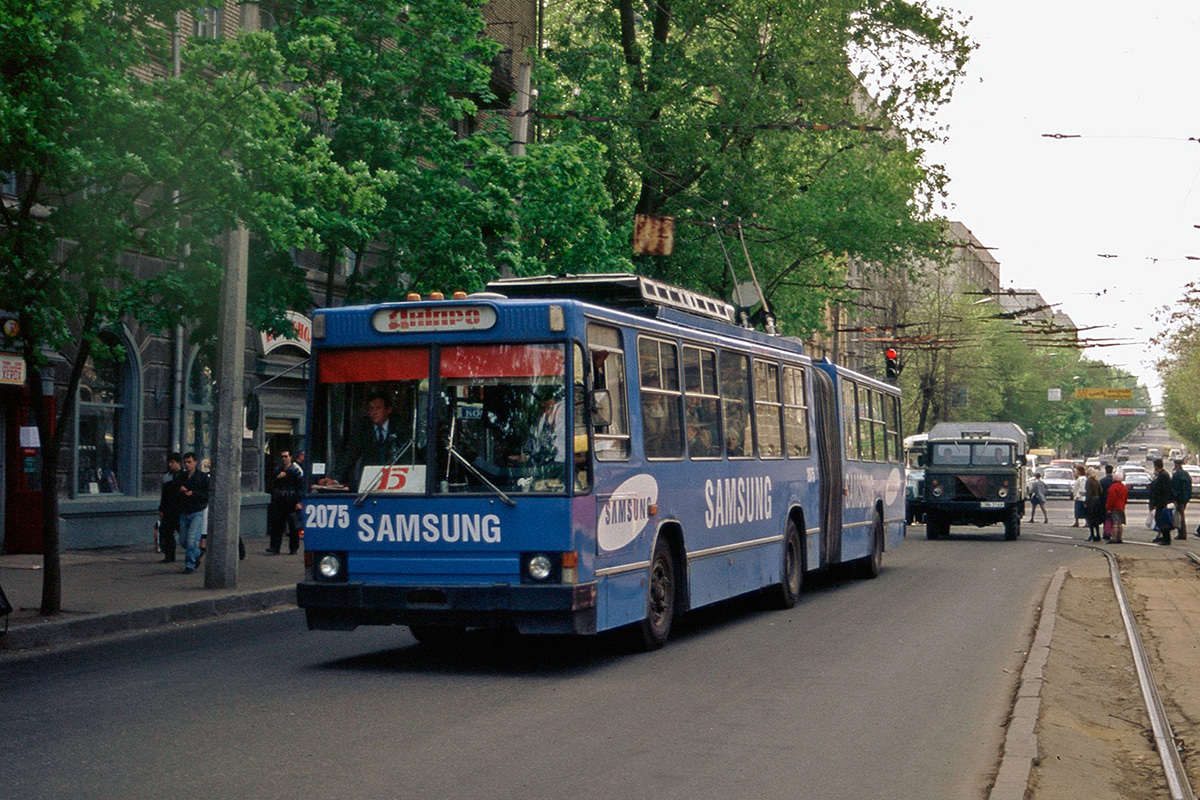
(1138, 481)
(1194, 471)
(1058, 482)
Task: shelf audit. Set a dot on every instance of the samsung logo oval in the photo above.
(626, 512)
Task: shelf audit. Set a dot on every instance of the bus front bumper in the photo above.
(529, 608)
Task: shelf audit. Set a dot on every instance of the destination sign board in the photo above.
(1104, 394)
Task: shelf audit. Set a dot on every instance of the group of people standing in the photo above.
(1169, 497)
(1100, 502)
(183, 509)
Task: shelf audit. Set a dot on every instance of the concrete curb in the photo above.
(58, 632)
(1020, 752)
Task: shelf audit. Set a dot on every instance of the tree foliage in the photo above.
(1179, 367)
(414, 91)
(968, 360)
(121, 164)
(748, 122)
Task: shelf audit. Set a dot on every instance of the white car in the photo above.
(1194, 471)
(1058, 482)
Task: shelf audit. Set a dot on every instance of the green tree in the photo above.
(413, 83)
(1179, 367)
(114, 156)
(748, 122)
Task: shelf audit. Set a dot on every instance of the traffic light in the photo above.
(892, 357)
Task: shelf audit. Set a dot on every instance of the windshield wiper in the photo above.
(471, 467)
(358, 501)
(474, 471)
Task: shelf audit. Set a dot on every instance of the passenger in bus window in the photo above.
(543, 448)
(703, 431)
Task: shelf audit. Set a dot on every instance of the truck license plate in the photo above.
(991, 504)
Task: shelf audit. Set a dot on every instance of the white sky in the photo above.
(1124, 76)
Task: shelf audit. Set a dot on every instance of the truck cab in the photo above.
(974, 475)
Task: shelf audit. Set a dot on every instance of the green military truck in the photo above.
(974, 475)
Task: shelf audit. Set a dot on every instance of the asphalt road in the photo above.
(896, 687)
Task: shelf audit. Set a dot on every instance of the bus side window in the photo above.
(608, 375)
(702, 402)
(767, 409)
(658, 365)
(850, 415)
(735, 404)
(795, 413)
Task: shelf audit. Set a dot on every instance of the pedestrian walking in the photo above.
(1162, 496)
(286, 488)
(169, 503)
(1114, 502)
(1181, 490)
(1079, 495)
(1037, 498)
(192, 487)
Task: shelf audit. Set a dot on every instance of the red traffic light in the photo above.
(891, 353)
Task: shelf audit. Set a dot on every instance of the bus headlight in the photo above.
(329, 567)
(540, 567)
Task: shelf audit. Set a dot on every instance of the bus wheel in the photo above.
(1012, 525)
(871, 566)
(784, 594)
(661, 600)
(437, 635)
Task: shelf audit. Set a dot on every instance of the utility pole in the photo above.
(225, 504)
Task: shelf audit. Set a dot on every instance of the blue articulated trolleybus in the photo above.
(573, 455)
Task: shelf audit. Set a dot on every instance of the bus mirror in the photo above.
(601, 408)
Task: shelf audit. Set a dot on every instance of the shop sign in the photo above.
(12, 370)
(302, 334)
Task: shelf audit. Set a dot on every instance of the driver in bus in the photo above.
(374, 442)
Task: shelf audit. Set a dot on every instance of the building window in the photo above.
(198, 407)
(208, 22)
(103, 424)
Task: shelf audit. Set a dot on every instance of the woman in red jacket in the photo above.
(1114, 504)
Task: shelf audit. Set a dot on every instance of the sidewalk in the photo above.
(121, 589)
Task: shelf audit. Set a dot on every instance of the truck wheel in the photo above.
(1012, 525)
(935, 526)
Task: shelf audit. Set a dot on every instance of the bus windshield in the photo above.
(498, 411)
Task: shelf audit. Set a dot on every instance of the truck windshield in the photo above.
(962, 454)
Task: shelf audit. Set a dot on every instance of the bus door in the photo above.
(829, 466)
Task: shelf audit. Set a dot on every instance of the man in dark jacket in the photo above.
(285, 501)
(192, 487)
(1181, 488)
(1161, 495)
(168, 508)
